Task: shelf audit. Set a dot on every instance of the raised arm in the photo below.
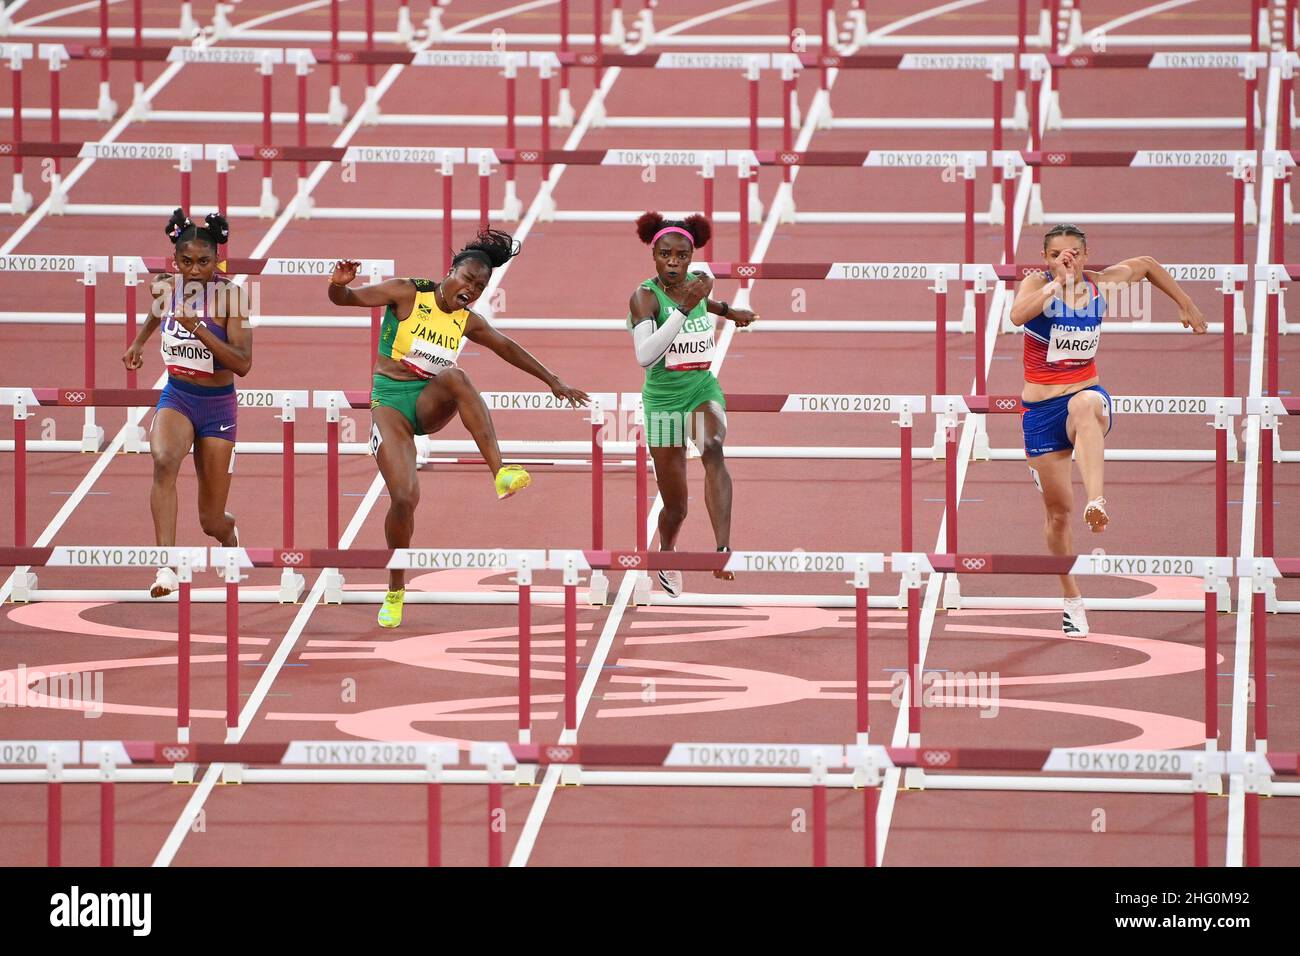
(652, 344)
(398, 293)
(1032, 296)
(480, 331)
(1145, 267)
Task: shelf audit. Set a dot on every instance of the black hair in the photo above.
(491, 247)
(215, 231)
(1064, 229)
(648, 224)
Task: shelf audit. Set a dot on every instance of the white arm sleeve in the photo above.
(652, 343)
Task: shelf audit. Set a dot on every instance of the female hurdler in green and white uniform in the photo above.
(671, 318)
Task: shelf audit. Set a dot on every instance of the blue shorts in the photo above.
(211, 411)
(1044, 422)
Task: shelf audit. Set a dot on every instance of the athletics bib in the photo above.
(183, 354)
(1072, 344)
(693, 347)
(428, 340)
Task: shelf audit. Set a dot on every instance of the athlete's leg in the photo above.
(450, 392)
(1053, 471)
(170, 438)
(1086, 429)
(710, 426)
(212, 465)
(395, 457)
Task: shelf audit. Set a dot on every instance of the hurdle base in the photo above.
(857, 34)
(913, 779)
(405, 28)
(189, 27)
(137, 440)
(951, 593)
(334, 582)
(996, 206)
(24, 584)
(645, 27)
(268, 205)
(641, 590)
(564, 114)
(183, 774)
(231, 773)
(20, 201)
(525, 775)
(1020, 115)
(92, 438)
(140, 104)
(1250, 211)
(512, 207)
(338, 110)
(1035, 204)
(599, 115)
(106, 106)
(597, 594)
(571, 775)
(785, 206)
(291, 586)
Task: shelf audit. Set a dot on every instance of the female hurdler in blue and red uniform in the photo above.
(1066, 409)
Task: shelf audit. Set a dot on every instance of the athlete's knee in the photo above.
(711, 452)
(1083, 413)
(404, 498)
(1058, 517)
(166, 464)
(213, 523)
(455, 381)
(673, 514)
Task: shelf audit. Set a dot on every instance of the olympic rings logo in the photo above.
(344, 56)
(1006, 403)
(629, 560)
(790, 159)
(292, 557)
(936, 758)
(74, 398)
(1078, 61)
(588, 59)
(1056, 159)
(176, 754)
(747, 272)
(96, 52)
(529, 156)
(972, 564)
(268, 152)
(559, 754)
(6, 149)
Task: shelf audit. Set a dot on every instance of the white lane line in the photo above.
(1234, 851)
(18, 27)
(1128, 18)
(924, 15)
(537, 813)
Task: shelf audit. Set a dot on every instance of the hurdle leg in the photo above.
(20, 472)
(105, 107)
(107, 812)
(819, 820)
(570, 733)
(434, 822)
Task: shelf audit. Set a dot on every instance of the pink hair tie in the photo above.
(667, 229)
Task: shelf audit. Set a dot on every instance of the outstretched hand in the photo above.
(742, 317)
(576, 397)
(1192, 319)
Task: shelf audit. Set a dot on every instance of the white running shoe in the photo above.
(1095, 514)
(1074, 622)
(671, 582)
(165, 583)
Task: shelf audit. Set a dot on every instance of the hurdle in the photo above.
(1214, 573)
(903, 406)
(1223, 410)
(13, 55)
(184, 561)
(994, 65)
(435, 764)
(595, 447)
(183, 154)
(284, 402)
(1279, 164)
(937, 273)
(1247, 65)
(1269, 409)
(860, 566)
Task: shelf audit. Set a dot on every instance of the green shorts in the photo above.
(666, 416)
(402, 396)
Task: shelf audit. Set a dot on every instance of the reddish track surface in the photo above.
(760, 674)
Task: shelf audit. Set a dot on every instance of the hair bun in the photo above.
(177, 224)
(216, 224)
(648, 224)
